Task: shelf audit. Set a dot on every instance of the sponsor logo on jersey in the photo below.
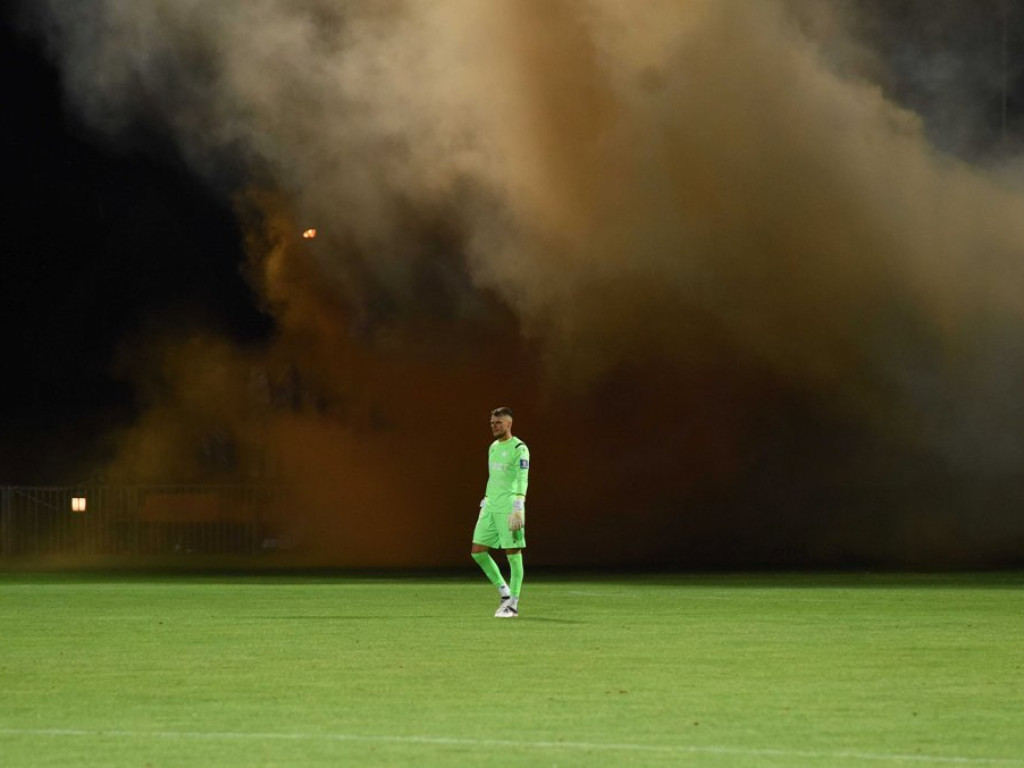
(524, 463)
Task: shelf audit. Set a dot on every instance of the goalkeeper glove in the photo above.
(517, 519)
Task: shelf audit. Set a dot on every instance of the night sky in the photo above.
(103, 241)
(740, 324)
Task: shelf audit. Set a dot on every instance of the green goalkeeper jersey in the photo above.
(509, 473)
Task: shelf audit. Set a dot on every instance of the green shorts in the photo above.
(492, 531)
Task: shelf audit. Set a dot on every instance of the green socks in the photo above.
(493, 573)
(490, 568)
(516, 582)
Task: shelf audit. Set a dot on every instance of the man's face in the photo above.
(500, 427)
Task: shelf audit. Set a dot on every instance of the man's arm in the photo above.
(522, 478)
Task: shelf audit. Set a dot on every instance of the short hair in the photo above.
(502, 411)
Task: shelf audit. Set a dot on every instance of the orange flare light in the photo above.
(309, 234)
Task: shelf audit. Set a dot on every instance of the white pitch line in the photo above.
(508, 743)
(688, 596)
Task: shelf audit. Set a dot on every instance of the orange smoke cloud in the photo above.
(742, 300)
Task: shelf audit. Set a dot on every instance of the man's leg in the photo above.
(515, 561)
(490, 568)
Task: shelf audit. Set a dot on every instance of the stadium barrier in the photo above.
(140, 520)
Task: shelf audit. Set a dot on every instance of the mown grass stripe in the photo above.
(520, 744)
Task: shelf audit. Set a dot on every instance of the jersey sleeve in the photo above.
(522, 470)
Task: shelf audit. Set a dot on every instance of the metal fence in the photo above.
(139, 520)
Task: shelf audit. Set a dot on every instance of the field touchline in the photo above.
(563, 745)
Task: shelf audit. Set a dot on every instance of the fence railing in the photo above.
(142, 520)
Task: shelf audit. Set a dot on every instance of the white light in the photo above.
(78, 504)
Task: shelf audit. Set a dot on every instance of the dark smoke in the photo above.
(748, 306)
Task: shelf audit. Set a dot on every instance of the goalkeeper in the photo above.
(502, 521)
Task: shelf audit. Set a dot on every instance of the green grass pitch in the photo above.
(711, 671)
